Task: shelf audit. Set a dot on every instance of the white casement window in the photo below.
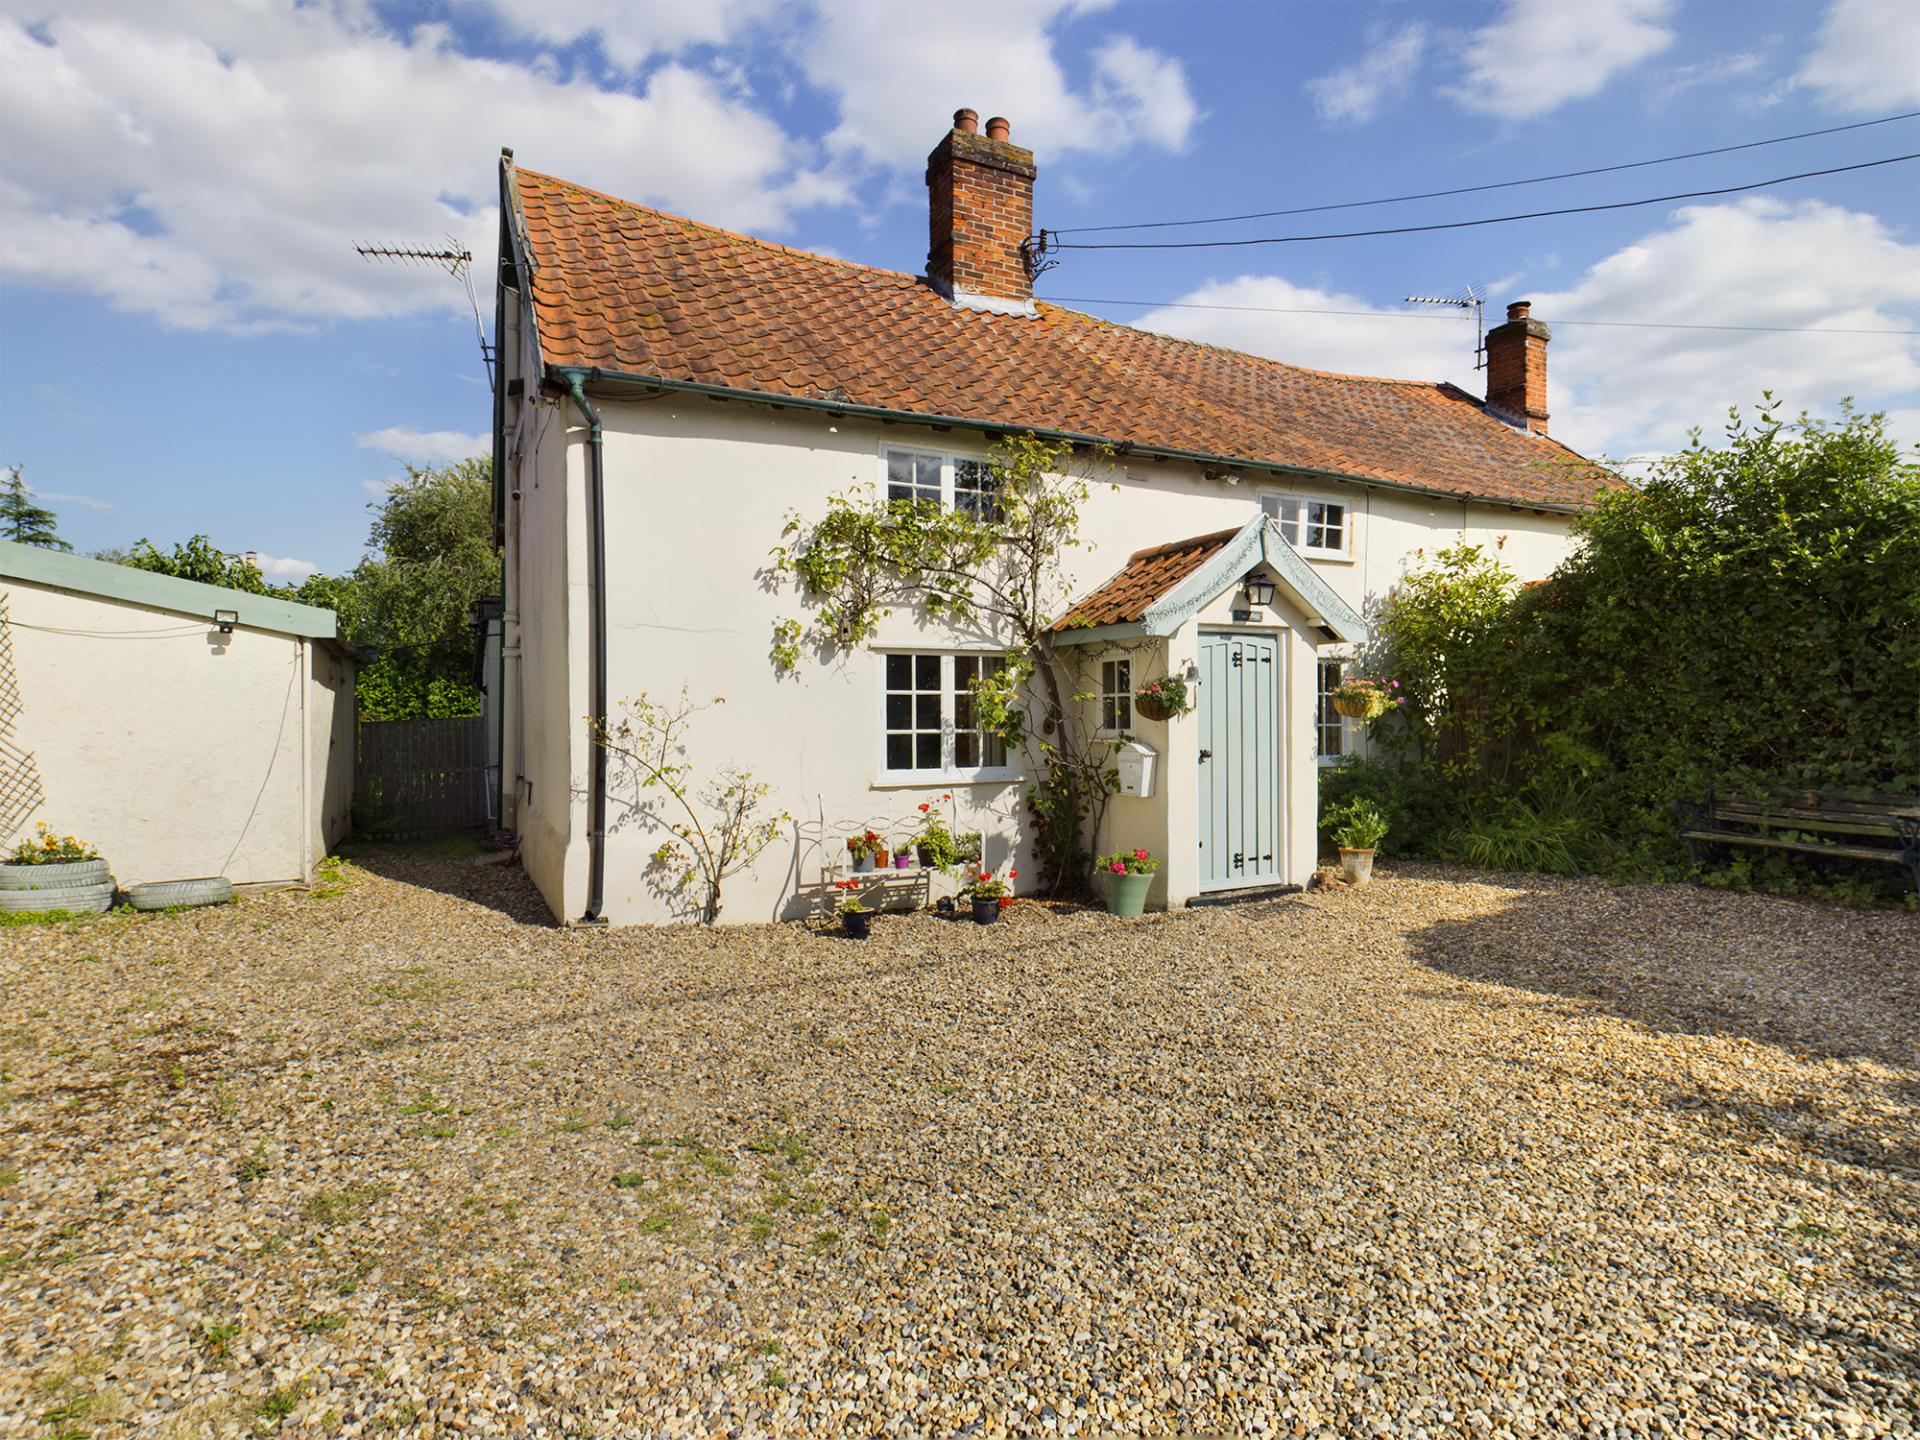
(930, 725)
(955, 481)
(1330, 725)
(1116, 697)
(1312, 526)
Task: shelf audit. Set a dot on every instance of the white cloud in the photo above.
(1867, 55)
(280, 567)
(1540, 54)
(1354, 93)
(1630, 391)
(213, 165)
(631, 33)
(62, 497)
(1760, 262)
(1714, 70)
(898, 84)
(425, 447)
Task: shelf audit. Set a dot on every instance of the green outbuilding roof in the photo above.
(58, 571)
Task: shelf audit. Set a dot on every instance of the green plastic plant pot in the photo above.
(1127, 894)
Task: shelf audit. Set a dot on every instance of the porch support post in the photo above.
(1180, 771)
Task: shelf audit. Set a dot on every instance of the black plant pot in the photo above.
(945, 906)
(986, 912)
(857, 923)
(926, 857)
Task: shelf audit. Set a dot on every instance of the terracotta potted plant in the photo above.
(1129, 875)
(1358, 828)
(1162, 699)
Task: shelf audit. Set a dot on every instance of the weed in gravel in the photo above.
(629, 1180)
(323, 1323)
(627, 1285)
(666, 1218)
(276, 1405)
(397, 1418)
(216, 1341)
(255, 1165)
(788, 1145)
(823, 1242)
(777, 1378)
(427, 1103)
(350, 1202)
(759, 1225)
(572, 1125)
(1812, 1230)
(9, 1178)
(619, 1120)
(714, 1162)
(879, 1221)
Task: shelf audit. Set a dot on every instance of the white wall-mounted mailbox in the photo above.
(1136, 764)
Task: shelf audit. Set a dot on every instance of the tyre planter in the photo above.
(60, 875)
(94, 899)
(175, 894)
(986, 912)
(1356, 866)
(1127, 894)
(857, 923)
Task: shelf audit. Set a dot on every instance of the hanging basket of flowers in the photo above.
(1365, 699)
(1162, 699)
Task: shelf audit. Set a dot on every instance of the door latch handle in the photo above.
(1205, 755)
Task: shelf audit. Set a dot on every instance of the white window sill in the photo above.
(1326, 557)
(1326, 761)
(925, 779)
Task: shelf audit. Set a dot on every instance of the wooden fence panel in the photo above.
(421, 777)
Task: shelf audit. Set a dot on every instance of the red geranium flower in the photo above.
(1118, 867)
(1139, 854)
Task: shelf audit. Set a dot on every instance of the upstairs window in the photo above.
(1116, 696)
(956, 481)
(1312, 526)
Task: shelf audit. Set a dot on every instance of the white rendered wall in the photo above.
(174, 749)
(697, 492)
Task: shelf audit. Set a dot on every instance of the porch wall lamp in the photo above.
(1259, 591)
(226, 620)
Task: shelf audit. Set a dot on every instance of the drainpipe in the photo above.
(303, 669)
(597, 647)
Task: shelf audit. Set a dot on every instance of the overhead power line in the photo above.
(1049, 243)
(1417, 315)
(1495, 185)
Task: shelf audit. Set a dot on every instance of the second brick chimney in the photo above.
(979, 210)
(1517, 367)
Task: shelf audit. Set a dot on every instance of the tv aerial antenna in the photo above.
(1473, 298)
(457, 262)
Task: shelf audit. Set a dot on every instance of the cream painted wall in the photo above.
(697, 491)
(177, 750)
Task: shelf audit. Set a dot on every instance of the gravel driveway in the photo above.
(1454, 1155)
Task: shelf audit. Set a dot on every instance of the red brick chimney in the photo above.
(979, 210)
(1517, 367)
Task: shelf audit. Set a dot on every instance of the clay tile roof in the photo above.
(628, 289)
(1147, 575)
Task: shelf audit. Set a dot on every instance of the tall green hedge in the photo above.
(1749, 616)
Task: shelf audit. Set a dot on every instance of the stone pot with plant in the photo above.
(1129, 875)
(1358, 828)
(865, 849)
(990, 896)
(856, 916)
(50, 873)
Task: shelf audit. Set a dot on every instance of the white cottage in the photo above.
(672, 392)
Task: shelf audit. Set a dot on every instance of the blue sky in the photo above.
(189, 344)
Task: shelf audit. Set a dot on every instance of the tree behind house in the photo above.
(24, 521)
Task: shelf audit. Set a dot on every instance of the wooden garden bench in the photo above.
(1882, 827)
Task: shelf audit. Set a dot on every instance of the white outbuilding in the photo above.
(185, 730)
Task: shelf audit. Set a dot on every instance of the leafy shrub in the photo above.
(1747, 617)
(1415, 806)
(1358, 825)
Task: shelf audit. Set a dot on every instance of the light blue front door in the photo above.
(1240, 737)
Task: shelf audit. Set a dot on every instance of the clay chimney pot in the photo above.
(998, 128)
(967, 121)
